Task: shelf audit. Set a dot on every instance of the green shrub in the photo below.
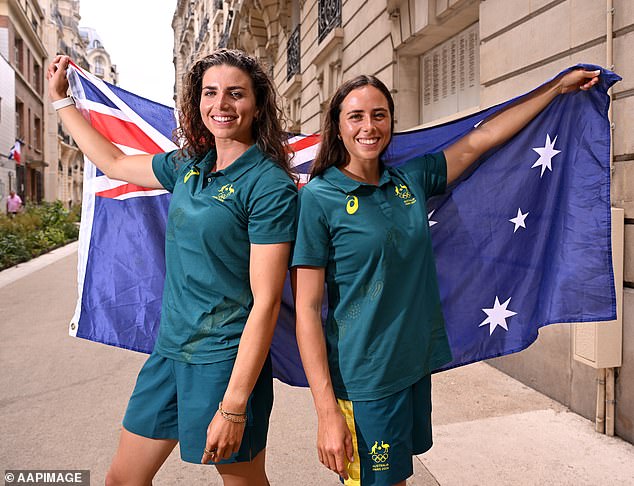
(40, 228)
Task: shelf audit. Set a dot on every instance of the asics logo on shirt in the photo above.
(224, 192)
(192, 172)
(352, 204)
(403, 192)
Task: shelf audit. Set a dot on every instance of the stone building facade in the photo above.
(21, 32)
(64, 174)
(99, 62)
(443, 59)
(7, 130)
(31, 33)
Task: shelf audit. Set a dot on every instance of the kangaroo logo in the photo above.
(224, 192)
(380, 456)
(402, 191)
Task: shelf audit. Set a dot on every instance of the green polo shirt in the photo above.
(213, 219)
(385, 328)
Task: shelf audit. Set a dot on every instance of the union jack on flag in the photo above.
(521, 241)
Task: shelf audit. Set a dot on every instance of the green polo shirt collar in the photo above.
(338, 179)
(238, 168)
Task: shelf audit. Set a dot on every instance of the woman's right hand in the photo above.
(57, 79)
(334, 441)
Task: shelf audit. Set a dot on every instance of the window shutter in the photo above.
(450, 75)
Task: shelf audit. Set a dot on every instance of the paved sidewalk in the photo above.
(63, 399)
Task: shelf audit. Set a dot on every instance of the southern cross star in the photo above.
(497, 316)
(431, 223)
(519, 221)
(546, 155)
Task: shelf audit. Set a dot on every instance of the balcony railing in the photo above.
(329, 12)
(224, 38)
(293, 55)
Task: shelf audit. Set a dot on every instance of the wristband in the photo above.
(63, 103)
(236, 418)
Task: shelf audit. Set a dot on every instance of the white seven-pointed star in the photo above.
(519, 221)
(546, 154)
(497, 315)
(431, 223)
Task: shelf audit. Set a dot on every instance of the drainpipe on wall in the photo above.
(609, 372)
(599, 421)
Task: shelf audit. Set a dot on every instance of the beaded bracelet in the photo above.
(236, 418)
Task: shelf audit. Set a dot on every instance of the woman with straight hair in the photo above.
(231, 221)
(363, 230)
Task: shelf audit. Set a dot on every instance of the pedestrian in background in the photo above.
(14, 204)
(231, 221)
(363, 230)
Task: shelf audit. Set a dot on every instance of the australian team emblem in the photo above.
(403, 192)
(224, 192)
(380, 455)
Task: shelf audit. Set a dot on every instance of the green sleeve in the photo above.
(272, 208)
(429, 172)
(312, 242)
(167, 168)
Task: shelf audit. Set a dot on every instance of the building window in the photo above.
(37, 133)
(37, 78)
(18, 54)
(329, 17)
(450, 76)
(99, 71)
(19, 119)
(293, 55)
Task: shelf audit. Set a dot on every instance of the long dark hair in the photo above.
(267, 129)
(332, 151)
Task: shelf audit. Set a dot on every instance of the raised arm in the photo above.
(503, 125)
(334, 440)
(136, 169)
(267, 271)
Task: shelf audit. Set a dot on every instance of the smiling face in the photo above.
(228, 104)
(365, 124)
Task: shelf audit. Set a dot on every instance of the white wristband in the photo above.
(63, 103)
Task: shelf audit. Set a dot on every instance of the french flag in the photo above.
(15, 152)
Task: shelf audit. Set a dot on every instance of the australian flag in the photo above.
(521, 241)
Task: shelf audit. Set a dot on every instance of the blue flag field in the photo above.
(521, 241)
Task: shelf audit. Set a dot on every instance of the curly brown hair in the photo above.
(267, 129)
(332, 151)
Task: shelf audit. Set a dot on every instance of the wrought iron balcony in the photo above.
(293, 55)
(329, 17)
(224, 38)
(203, 29)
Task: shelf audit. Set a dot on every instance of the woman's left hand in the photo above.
(578, 79)
(223, 439)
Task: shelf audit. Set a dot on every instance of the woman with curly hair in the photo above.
(231, 221)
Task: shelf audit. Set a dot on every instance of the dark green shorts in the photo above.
(386, 433)
(177, 400)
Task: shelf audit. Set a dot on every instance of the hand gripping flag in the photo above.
(521, 241)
